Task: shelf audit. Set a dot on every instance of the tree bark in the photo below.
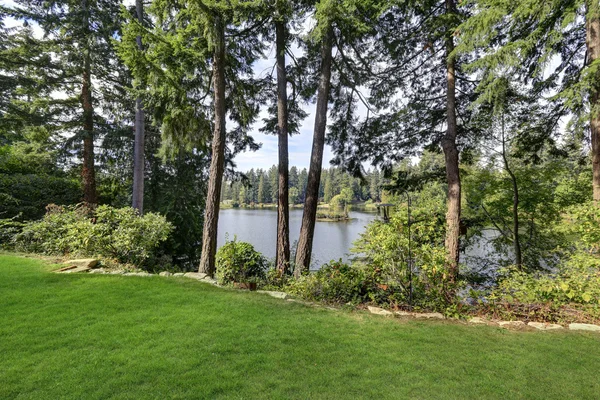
(304, 250)
(451, 159)
(138, 148)
(282, 258)
(513, 178)
(88, 174)
(217, 162)
(593, 51)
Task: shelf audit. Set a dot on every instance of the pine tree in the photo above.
(137, 201)
(196, 53)
(81, 32)
(345, 25)
(553, 47)
(261, 188)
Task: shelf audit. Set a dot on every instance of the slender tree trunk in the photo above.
(451, 158)
(304, 250)
(593, 51)
(88, 173)
(138, 148)
(217, 162)
(513, 178)
(282, 258)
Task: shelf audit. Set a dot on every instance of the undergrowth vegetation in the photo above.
(119, 234)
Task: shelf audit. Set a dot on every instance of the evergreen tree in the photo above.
(302, 179)
(261, 188)
(140, 119)
(179, 75)
(552, 46)
(80, 33)
(273, 183)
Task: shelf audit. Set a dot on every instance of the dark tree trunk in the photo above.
(138, 149)
(451, 159)
(304, 250)
(217, 162)
(593, 51)
(88, 174)
(282, 258)
(513, 178)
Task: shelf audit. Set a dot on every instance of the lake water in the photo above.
(332, 240)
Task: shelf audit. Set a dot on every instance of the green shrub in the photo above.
(9, 228)
(116, 233)
(577, 281)
(26, 195)
(335, 283)
(239, 262)
(383, 252)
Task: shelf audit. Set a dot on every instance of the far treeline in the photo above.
(261, 186)
(147, 105)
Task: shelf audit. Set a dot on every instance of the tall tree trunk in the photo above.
(217, 162)
(282, 258)
(593, 51)
(451, 158)
(138, 148)
(88, 173)
(304, 251)
(515, 186)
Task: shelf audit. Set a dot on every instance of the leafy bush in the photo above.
(9, 228)
(340, 283)
(239, 262)
(578, 281)
(383, 250)
(117, 233)
(26, 195)
(335, 282)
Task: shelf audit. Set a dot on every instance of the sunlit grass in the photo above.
(105, 336)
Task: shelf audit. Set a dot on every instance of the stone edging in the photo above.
(478, 320)
(87, 265)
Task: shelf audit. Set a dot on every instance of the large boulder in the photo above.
(83, 262)
(195, 275)
(584, 327)
(277, 295)
(380, 311)
(544, 326)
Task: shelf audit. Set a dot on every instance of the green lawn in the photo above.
(106, 336)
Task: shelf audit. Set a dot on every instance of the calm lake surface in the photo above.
(332, 240)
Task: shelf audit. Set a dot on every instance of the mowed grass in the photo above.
(71, 336)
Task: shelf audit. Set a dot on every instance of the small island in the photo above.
(332, 216)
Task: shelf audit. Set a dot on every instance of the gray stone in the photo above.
(83, 262)
(544, 326)
(165, 273)
(306, 303)
(278, 295)
(478, 320)
(380, 311)
(403, 313)
(511, 324)
(75, 270)
(97, 271)
(178, 274)
(584, 327)
(138, 274)
(432, 315)
(195, 275)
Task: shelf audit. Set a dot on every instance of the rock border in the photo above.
(83, 266)
(512, 325)
(190, 275)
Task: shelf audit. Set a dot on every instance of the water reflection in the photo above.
(332, 240)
